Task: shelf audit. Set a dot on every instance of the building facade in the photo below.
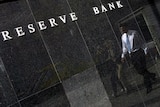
(57, 53)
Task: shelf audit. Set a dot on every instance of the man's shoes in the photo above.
(149, 90)
(124, 90)
(114, 95)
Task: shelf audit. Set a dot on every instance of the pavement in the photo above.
(136, 95)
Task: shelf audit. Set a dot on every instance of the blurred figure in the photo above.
(134, 45)
(114, 66)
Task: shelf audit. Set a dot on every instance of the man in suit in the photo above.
(134, 45)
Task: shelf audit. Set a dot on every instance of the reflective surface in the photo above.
(47, 47)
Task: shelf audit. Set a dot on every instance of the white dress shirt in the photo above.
(136, 42)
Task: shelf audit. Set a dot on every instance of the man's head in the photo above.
(123, 28)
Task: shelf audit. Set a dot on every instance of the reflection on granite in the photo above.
(95, 29)
(52, 97)
(7, 95)
(64, 41)
(139, 3)
(25, 58)
(28, 62)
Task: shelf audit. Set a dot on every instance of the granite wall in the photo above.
(55, 53)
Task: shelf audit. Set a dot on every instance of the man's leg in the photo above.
(139, 62)
(114, 83)
(121, 84)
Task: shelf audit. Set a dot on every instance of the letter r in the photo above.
(5, 35)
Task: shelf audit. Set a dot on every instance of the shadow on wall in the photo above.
(155, 9)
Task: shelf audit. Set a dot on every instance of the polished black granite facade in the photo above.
(52, 97)
(64, 42)
(25, 58)
(57, 65)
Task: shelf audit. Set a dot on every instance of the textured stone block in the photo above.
(86, 90)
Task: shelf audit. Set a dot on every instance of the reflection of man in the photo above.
(135, 46)
(115, 76)
(114, 66)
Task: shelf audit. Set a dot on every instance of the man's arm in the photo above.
(142, 42)
(124, 50)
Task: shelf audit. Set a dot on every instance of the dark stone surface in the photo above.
(64, 42)
(30, 63)
(95, 29)
(86, 90)
(51, 97)
(7, 94)
(15, 105)
(25, 58)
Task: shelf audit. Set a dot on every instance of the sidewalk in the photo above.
(137, 97)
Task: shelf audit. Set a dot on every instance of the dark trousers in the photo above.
(115, 81)
(139, 61)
